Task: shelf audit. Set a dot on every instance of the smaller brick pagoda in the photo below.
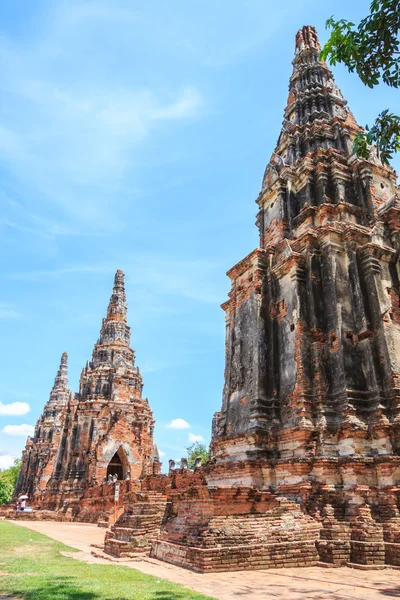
(104, 432)
(40, 454)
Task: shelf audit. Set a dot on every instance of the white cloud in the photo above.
(18, 430)
(14, 409)
(195, 438)
(178, 424)
(161, 453)
(6, 461)
(8, 312)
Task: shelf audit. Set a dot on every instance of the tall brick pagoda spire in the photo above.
(115, 331)
(38, 458)
(107, 429)
(309, 430)
(112, 354)
(313, 320)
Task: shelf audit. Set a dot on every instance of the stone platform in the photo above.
(224, 529)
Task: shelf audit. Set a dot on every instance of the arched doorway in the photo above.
(115, 466)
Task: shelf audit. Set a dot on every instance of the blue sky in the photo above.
(135, 135)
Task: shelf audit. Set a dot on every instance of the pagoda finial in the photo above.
(307, 38)
(114, 328)
(119, 280)
(61, 379)
(60, 391)
(317, 121)
(117, 306)
(112, 349)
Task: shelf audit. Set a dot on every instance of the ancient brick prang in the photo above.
(39, 456)
(309, 426)
(305, 452)
(312, 323)
(104, 432)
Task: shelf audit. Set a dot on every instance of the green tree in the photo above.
(6, 492)
(196, 450)
(371, 49)
(8, 480)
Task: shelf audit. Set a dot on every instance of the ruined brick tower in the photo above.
(305, 451)
(105, 430)
(313, 319)
(38, 458)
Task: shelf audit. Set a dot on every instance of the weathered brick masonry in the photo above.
(305, 452)
(105, 430)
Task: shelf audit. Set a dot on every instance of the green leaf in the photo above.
(372, 49)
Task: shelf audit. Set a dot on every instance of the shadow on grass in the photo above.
(63, 588)
(56, 588)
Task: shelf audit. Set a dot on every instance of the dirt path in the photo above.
(285, 584)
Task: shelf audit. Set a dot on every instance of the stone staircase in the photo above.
(136, 529)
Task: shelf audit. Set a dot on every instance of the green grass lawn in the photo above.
(32, 567)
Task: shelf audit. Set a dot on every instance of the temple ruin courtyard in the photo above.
(304, 463)
(289, 584)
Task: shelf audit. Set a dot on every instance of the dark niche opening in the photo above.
(115, 467)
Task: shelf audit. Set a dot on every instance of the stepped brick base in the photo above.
(136, 529)
(220, 529)
(181, 519)
(238, 558)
